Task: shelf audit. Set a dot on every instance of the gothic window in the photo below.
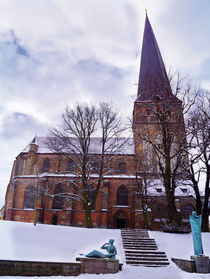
(95, 167)
(70, 166)
(187, 210)
(147, 156)
(29, 198)
(160, 211)
(106, 183)
(122, 195)
(46, 165)
(121, 167)
(90, 197)
(18, 167)
(58, 200)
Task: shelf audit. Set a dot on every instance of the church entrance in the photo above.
(55, 220)
(120, 223)
(120, 220)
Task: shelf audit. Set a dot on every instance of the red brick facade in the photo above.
(108, 212)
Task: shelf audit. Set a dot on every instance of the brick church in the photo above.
(119, 204)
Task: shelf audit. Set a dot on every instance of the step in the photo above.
(139, 242)
(147, 263)
(147, 259)
(139, 247)
(137, 239)
(141, 250)
(134, 233)
(146, 256)
(146, 252)
(134, 230)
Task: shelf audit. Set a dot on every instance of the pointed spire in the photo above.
(34, 141)
(153, 81)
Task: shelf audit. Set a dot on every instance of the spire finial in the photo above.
(146, 11)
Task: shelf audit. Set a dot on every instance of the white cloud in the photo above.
(58, 52)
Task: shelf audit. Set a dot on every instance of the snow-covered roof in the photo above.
(95, 145)
(155, 188)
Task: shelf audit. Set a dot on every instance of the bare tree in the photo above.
(198, 127)
(75, 139)
(161, 131)
(143, 187)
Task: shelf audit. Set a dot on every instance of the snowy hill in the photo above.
(23, 241)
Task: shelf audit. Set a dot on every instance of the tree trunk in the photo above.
(205, 211)
(172, 211)
(205, 222)
(146, 224)
(198, 200)
(196, 190)
(88, 218)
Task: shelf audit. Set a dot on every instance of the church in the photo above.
(135, 189)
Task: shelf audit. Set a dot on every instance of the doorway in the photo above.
(55, 220)
(120, 220)
(120, 223)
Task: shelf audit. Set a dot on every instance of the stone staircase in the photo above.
(142, 250)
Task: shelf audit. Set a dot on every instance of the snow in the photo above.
(156, 184)
(117, 176)
(95, 145)
(23, 241)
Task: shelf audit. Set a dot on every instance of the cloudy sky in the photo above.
(55, 53)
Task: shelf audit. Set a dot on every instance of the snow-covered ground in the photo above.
(23, 241)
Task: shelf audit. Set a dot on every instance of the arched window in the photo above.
(29, 198)
(187, 210)
(95, 166)
(90, 197)
(70, 166)
(121, 167)
(46, 165)
(122, 195)
(18, 167)
(160, 211)
(58, 200)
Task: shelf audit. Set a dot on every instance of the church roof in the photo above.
(95, 145)
(153, 80)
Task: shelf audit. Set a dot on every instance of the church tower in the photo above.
(155, 103)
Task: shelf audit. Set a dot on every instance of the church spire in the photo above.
(153, 81)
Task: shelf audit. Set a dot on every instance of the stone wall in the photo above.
(186, 265)
(99, 265)
(26, 268)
